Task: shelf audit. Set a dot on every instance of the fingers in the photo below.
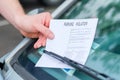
(41, 38)
(40, 42)
(30, 35)
(42, 24)
(48, 17)
(36, 26)
(46, 32)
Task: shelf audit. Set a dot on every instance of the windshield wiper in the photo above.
(93, 73)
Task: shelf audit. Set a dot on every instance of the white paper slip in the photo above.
(73, 39)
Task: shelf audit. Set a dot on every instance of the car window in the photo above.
(29, 58)
(106, 57)
(105, 52)
(108, 25)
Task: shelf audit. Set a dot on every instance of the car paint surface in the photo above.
(1, 77)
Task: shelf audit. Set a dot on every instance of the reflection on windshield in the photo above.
(105, 57)
(29, 58)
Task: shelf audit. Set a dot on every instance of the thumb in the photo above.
(46, 32)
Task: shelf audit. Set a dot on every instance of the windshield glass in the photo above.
(105, 52)
(106, 57)
(29, 58)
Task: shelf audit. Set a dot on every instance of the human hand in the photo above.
(35, 26)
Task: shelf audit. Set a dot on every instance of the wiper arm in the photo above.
(96, 75)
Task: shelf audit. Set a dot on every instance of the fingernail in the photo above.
(35, 47)
(38, 45)
(51, 36)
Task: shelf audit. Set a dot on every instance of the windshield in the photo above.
(29, 58)
(106, 57)
(105, 52)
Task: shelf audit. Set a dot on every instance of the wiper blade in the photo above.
(93, 73)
